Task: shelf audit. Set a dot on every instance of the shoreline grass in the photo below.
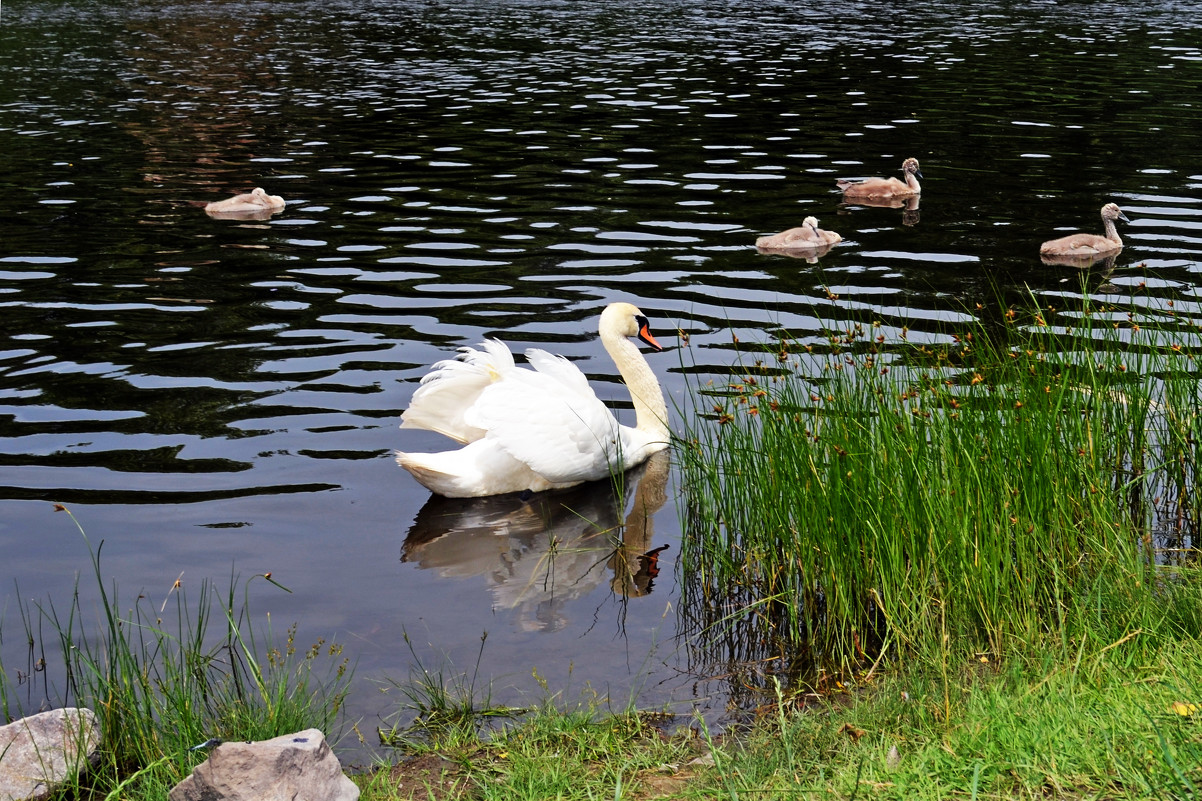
(853, 497)
(1116, 724)
(162, 681)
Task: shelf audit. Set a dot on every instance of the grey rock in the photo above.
(295, 767)
(42, 751)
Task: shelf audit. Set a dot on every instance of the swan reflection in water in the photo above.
(540, 553)
(909, 206)
(1097, 268)
(1096, 262)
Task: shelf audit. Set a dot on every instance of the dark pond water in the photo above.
(216, 396)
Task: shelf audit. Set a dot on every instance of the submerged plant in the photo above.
(852, 495)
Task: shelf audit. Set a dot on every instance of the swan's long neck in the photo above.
(912, 182)
(650, 409)
(1112, 231)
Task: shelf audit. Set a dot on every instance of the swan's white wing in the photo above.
(551, 421)
(559, 368)
(452, 387)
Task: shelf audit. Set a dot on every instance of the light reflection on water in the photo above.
(210, 392)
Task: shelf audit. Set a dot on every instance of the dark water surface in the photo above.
(212, 396)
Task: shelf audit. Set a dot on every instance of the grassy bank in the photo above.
(1103, 725)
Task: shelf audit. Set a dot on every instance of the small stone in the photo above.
(705, 760)
(295, 767)
(42, 751)
(893, 759)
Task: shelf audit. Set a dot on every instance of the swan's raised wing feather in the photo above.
(453, 386)
(560, 369)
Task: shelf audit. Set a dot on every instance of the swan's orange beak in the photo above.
(645, 335)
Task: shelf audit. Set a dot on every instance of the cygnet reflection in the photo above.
(909, 206)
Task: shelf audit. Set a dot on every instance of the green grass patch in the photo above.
(550, 753)
(443, 707)
(957, 568)
(1101, 728)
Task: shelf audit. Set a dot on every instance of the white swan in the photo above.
(535, 429)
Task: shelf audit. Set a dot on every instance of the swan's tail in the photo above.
(428, 475)
(472, 471)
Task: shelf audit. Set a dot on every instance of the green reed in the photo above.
(164, 678)
(1033, 480)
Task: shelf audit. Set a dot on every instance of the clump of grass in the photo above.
(442, 708)
(163, 683)
(557, 754)
(550, 753)
(997, 487)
